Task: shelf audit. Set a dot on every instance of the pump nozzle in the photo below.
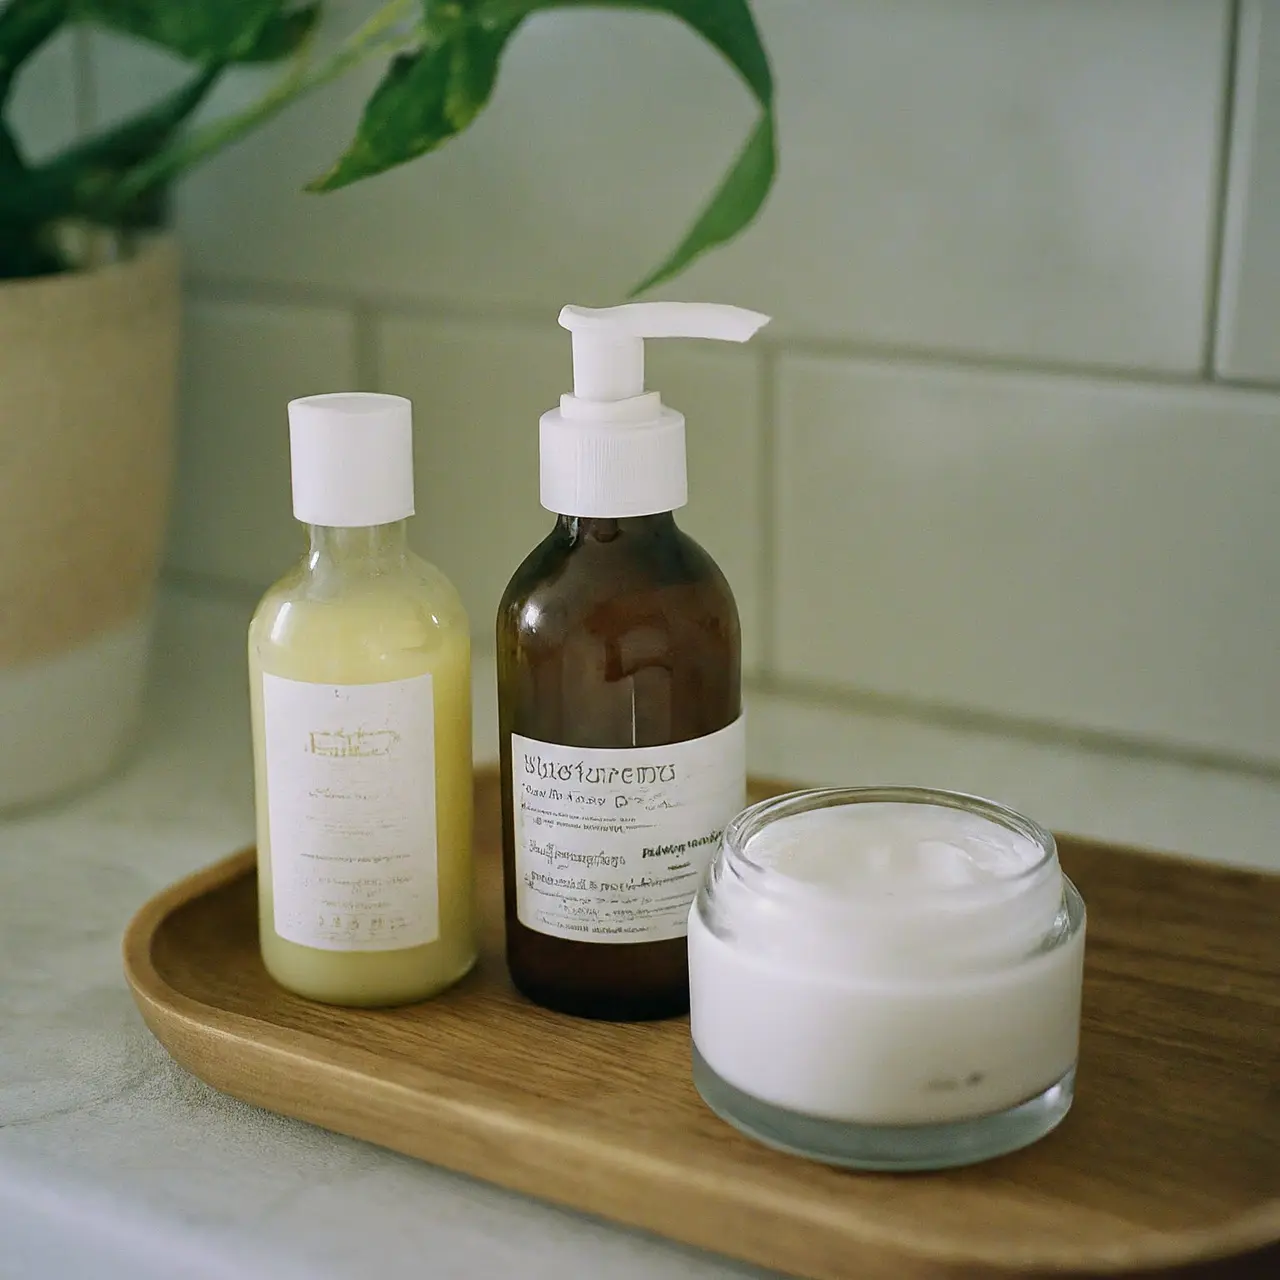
(608, 342)
(612, 449)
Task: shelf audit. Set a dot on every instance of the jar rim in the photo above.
(755, 818)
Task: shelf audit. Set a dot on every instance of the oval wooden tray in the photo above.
(1170, 1158)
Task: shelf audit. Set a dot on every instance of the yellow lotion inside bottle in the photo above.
(357, 625)
(389, 624)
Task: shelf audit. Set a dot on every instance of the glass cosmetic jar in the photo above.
(886, 978)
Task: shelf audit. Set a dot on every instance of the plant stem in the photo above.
(379, 35)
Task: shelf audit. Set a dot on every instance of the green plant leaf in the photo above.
(404, 118)
(382, 33)
(727, 25)
(83, 180)
(430, 95)
(285, 33)
(427, 96)
(474, 55)
(11, 162)
(137, 136)
(733, 207)
(216, 31)
(23, 254)
(24, 26)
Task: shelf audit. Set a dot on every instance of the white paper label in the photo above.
(610, 845)
(351, 805)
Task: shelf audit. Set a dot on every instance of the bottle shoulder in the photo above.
(662, 586)
(411, 582)
(618, 646)
(592, 571)
(406, 608)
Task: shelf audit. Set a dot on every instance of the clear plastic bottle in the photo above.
(360, 688)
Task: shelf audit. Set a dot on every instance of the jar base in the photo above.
(887, 1148)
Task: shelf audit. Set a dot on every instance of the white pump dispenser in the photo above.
(613, 449)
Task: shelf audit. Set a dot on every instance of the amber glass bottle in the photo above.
(619, 695)
(614, 633)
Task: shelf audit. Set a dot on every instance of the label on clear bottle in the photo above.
(611, 844)
(351, 808)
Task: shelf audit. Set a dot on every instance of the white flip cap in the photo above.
(352, 458)
(612, 449)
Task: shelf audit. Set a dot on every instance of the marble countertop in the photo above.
(115, 1162)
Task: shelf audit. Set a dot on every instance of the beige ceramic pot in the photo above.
(88, 373)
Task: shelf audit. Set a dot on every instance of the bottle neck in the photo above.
(370, 548)
(605, 529)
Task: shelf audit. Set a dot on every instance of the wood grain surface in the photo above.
(1168, 1164)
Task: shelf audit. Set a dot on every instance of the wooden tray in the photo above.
(1171, 1156)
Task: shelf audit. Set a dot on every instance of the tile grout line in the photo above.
(847, 700)
(262, 293)
(1222, 184)
(859, 702)
(766, 498)
(968, 362)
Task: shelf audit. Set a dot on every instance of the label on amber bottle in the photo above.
(611, 844)
(351, 811)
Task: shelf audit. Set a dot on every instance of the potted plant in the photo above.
(89, 312)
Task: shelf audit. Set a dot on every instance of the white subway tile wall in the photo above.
(984, 460)
(477, 390)
(1033, 180)
(241, 363)
(1097, 554)
(1025, 180)
(1223, 814)
(1248, 338)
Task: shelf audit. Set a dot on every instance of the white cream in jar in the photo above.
(887, 978)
